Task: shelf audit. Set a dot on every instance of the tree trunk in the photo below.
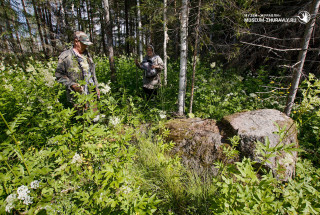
(89, 23)
(118, 25)
(9, 30)
(176, 31)
(166, 38)
(73, 19)
(103, 39)
(19, 43)
(43, 20)
(183, 57)
(38, 24)
(140, 32)
(49, 21)
(109, 40)
(126, 11)
(195, 55)
(79, 18)
(28, 25)
(302, 57)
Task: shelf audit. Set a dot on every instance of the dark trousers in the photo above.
(150, 92)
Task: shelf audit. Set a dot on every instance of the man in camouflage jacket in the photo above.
(76, 64)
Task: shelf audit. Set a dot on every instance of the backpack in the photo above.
(146, 65)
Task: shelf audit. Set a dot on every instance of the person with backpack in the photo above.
(152, 65)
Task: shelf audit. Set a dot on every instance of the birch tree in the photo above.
(28, 25)
(38, 24)
(183, 57)
(139, 31)
(109, 39)
(302, 57)
(166, 38)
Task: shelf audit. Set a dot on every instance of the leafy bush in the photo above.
(56, 161)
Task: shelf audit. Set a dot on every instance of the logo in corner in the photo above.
(304, 17)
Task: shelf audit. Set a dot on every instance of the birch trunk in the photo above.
(183, 57)
(140, 32)
(302, 57)
(51, 31)
(89, 22)
(28, 25)
(166, 38)
(109, 40)
(44, 28)
(38, 24)
(195, 55)
(19, 43)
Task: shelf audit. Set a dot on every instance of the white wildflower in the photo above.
(105, 88)
(35, 184)
(126, 189)
(114, 120)
(9, 208)
(8, 87)
(76, 159)
(103, 116)
(11, 198)
(48, 78)
(2, 66)
(10, 202)
(213, 64)
(23, 194)
(50, 107)
(30, 68)
(162, 114)
(27, 200)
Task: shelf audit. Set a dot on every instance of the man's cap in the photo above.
(82, 37)
(150, 46)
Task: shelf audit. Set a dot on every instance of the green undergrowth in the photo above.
(55, 160)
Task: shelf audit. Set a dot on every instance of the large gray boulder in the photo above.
(253, 126)
(199, 141)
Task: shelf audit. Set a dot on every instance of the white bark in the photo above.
(166, 38)
(302, 57)
(63, 14)
(183, 57)
(109, 39)
(140, 31)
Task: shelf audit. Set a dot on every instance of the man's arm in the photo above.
(62, 74)
(158, 64)
(138, 64)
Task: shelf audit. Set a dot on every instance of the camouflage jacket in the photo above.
(69, 72)
(153, 82)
